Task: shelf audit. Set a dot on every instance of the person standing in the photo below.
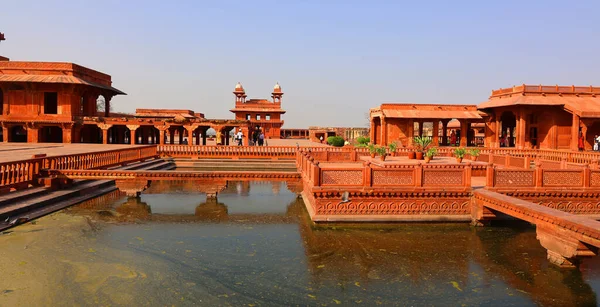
(598, 141)
(255, 136)
(580, 142)
(452, 138)
(595, 143)
(218, 137)
(261, 139)
(240, 137)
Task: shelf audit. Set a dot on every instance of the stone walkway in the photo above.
(22, 151)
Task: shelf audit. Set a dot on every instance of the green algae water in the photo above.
(255, 246)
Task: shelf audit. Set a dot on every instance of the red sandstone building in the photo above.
(401, 122)
(260, 112)
(525, 116)
(48, 102)
(58, 102)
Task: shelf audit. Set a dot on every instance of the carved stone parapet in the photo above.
(132, 187)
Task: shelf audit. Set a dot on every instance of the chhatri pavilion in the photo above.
(525, 116)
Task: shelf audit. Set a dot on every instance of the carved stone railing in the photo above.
(368, 176)
(20, 174)
(228, 152)
(538, 178)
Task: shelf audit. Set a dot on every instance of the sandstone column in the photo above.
(132, 129)
(436, 130)
(574, 132)
(5, 133)
(32, 133)
(384, 140)
(464, 127)
(104, 128)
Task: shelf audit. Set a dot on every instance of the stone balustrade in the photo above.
(21, 174)
(543, 178)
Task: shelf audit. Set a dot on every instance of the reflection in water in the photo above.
(256, 245)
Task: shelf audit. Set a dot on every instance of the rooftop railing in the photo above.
(546, 89)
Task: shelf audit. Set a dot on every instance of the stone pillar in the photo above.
(107, 99)
(464, 127)
(522, 128)
(421, 128)
(436, 130)
(180, 131)
(32, 133)
(104, 128)
(5, 133)
(445, 133)
(190, 131)
(384, 140)
(67, 135)
(172, 136)
(574, 132)
(371, 131)
(498, 131)
(132, 129)
(198, 136)
(161, 135)
(411, 132)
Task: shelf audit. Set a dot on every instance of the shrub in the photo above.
(336, 141)
(381, 150)
(421, 142)
(431, 152)
(372, 148)
(393, 147)
(460, 152)
(363, 140)
(474, 152)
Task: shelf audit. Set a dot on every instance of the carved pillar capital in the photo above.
(104, 126)
(132, 127)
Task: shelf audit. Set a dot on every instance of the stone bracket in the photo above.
(563, 250)
(132, 187)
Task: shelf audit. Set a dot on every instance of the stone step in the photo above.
(56, 206)
(81, 188)
(237, 169)
(38, 201)
(164, 165)
(141, 165)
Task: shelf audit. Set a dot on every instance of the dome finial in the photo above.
(277, 88)
(239, 87)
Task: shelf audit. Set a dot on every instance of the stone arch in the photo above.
(453, 132)
(508, 121)
(91, 134)
(18, 134)
(118, 134)
(50, 134)
(100, 104)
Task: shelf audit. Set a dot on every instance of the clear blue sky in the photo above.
(333, 59)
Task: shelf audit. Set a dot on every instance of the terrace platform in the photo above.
(22, 151)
